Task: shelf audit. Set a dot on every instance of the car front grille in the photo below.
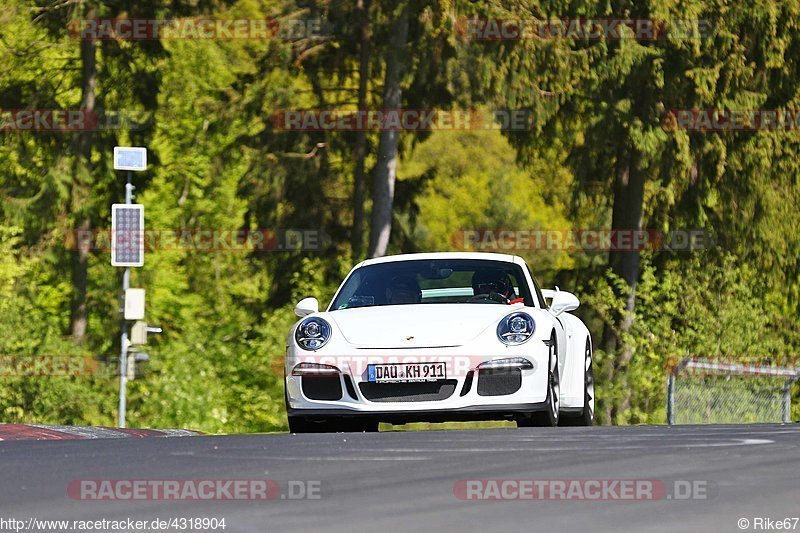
(322, 387)
(427, 391)
(499, 382)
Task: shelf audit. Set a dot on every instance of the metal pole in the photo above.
(787, 402)
(671, 399)
(123, 350)
(123, 354)
(673, 375)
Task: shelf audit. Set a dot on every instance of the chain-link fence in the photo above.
(701, 391)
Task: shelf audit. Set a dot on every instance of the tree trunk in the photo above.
(386, 169)
(626, 216)
(80, 276)
(360, 177)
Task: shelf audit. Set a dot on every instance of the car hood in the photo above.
(417, 326)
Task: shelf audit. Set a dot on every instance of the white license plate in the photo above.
(406, 372)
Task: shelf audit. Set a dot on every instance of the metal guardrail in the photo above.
(719, 369)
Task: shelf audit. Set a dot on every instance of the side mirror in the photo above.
(563, 301)
(306, 306)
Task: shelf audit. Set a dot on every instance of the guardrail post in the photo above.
(671, 399)
(671, 389)
(787, 401)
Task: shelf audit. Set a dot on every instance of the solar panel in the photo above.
(127, 235)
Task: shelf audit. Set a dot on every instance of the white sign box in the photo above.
(134, 304)
(130, 158)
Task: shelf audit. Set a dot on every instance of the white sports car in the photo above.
(436, 337)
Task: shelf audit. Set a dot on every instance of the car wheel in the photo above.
(549, 416)
(586, 416)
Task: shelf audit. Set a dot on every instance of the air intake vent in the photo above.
(322, 387)
(499, 382)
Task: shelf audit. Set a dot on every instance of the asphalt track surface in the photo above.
(404, 481)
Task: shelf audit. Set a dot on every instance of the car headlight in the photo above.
(312, 333)
(515, 328)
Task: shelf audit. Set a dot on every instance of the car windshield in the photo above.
(434, 281)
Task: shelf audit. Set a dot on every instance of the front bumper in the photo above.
(467, 385)
(474, 412)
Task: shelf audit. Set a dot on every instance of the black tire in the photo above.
(586, 416)
(550, 416)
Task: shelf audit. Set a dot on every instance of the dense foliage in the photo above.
(204, 108)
